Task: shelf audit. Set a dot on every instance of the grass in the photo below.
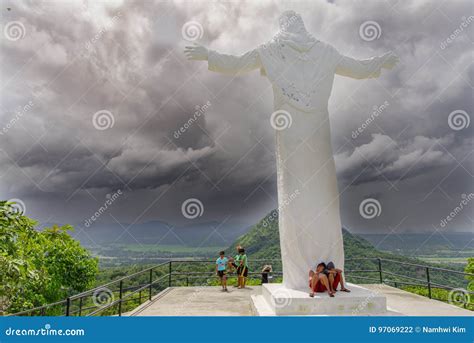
(442, 295)
(449, 260)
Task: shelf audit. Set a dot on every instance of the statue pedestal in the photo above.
(278, 300)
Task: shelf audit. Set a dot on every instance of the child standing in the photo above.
(221, 265)
(243, 268)
(236, 262)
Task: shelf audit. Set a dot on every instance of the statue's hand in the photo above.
(390, 60)
(196, 53)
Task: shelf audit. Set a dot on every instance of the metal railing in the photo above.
(161, 276)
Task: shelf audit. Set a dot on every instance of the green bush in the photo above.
(39, 267)
(440, 294)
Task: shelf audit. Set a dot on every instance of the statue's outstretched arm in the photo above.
(365, 69)
(222, 63)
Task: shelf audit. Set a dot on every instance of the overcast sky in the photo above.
(63, 62)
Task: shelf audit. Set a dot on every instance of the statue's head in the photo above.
(290, 21)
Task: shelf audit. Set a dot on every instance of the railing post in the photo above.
(120, 298)
(68, 306)
(380, 269)
(169, 275)
(80, 306)
(150, 284)
(150, 280)
(187, 281)
(428, 281)
(140, 297)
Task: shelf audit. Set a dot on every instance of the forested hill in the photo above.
(263, 242)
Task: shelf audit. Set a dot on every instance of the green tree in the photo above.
(39, 267)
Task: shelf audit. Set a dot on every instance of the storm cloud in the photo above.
(97, 96)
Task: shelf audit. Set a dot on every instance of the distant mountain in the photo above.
(158, 232)
(441, 244)
(262, 241)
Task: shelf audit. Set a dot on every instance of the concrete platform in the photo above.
(410, 304)
(210, 301)
(199, 301)
(281, 301)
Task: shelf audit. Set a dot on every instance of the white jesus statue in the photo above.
(301, 70)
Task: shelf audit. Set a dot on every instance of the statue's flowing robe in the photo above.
(308, 198)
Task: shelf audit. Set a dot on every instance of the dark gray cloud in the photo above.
(77, 58)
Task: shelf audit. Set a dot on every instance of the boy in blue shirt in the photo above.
(221, 265)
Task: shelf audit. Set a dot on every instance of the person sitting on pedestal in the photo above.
(335, 277)
(318, 281)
